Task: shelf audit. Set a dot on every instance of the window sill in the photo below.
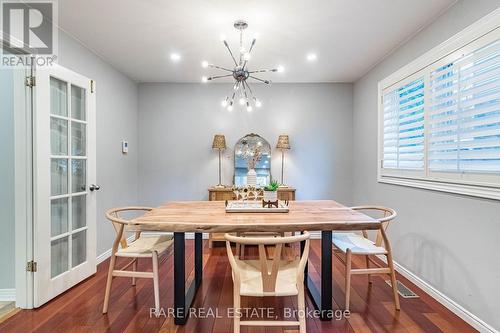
(463, 189)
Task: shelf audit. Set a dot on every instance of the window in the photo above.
(439, 117)
(464, 113)
(404, 126)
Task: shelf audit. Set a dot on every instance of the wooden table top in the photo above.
(210, 216)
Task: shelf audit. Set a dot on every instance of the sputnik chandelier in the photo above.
(241, 89)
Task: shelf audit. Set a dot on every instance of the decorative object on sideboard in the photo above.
(252, 177)
(256, 207)
(219, 143)
(246, 193)
(240, 73)
(253, 156)
(285, 194)
(270, 204)
(271, 192)
(283, 143)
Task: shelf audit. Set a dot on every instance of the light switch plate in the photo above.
(124, 146)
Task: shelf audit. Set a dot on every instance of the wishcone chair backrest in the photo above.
(269, 268)
(384, 214)
(119, 223)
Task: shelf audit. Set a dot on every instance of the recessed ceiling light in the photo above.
(311, 57)
(175, 57)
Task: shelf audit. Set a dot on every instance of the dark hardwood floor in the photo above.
(372, 309)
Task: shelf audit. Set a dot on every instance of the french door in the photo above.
(64, 181)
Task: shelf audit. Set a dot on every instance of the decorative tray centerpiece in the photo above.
(250, 199)
(255, 206)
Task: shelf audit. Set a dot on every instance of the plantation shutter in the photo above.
(464, 113)
(403, 132)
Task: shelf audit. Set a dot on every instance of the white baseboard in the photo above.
(447, 302)
(106, 254)
(7, 295)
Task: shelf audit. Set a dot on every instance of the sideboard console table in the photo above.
(226, 193)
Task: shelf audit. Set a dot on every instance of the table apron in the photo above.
(249, 228)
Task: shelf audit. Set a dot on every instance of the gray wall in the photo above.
(6, 179)
(450, 241)
(177, 123)
(116, 106)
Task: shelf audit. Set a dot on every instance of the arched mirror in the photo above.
(252, 153)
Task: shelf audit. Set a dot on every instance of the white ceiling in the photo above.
(349, 37)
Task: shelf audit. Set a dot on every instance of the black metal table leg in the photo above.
(183, 299)
(198, 258)
(179, 278)
(322, 298)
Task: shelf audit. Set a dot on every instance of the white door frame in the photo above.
(23, 152)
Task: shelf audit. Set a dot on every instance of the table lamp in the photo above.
(283, 143)
(219, 143)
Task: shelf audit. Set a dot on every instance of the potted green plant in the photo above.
(271, 192)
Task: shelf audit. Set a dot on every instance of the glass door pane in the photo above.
(59, 176)
(58, 136)
(78, 175)
(59, 256)
(78, 103)
(59, 216)
(58, 97)
(79, 248)
(78, 139)
(79, 208)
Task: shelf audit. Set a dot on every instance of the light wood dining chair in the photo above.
(355, 244)
(240, 248)
(143, 246)
(264, 277)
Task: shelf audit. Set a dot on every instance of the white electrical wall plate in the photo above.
(124, 146)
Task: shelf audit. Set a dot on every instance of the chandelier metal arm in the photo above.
(256, 102)
(251, 46)
(232, 97)
(221, 68)
(263, 70)
(241, 46)
(245, 92)
(263, 81)
(218, 77)
(230, 52)
(249, 50)
(249, 89)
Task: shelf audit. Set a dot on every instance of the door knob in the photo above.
(94, 187)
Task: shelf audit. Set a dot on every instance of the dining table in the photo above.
(198, 217)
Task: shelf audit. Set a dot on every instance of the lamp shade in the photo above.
(283, 142)
(219, 142)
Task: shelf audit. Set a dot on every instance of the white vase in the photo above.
(252, 177)
(270, 196)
